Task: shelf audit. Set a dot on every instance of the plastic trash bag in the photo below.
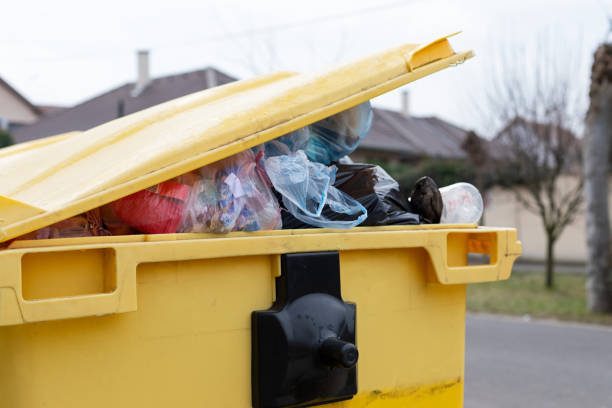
(375, 190)
(425, 200)
(228, 195)
(156, 210)
(231, 195)
(113, 224)
(88, 224)
(462, 204)
(307, 188)
(378, 192)
(328, 140)
(339, 135)
(286, 144)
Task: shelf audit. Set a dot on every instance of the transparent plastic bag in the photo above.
(307, 188)
(88, 224)
(231, 195)
(286, 144)
(339, 135)
(462, 204)
(300, 181)
(326, 141)
(228, 195)
(339, 203)
(373, 188)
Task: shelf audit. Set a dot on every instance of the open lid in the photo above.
(55, 178)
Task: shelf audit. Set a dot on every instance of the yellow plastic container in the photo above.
(164, 320)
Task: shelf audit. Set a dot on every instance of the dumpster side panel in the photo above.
(189, 342)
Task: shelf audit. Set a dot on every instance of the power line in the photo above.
(315, 20)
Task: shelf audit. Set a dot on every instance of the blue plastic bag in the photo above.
(339, 135)
(307, 187)
(329, 139)
(286, 144)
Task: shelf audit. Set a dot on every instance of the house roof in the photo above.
(47, 110)
(119, 101)
(411, 136)
(533, 136)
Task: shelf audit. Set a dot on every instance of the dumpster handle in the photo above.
(14, 309)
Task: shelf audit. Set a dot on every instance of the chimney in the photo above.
(144, 77)
(211, 79)
(405, 102)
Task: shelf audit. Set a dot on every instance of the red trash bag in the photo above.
(158, 210)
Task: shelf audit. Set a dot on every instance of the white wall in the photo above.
(13, 109)
(502, 209)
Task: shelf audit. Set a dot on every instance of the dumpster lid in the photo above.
(55, 178)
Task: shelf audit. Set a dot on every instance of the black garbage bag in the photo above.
(378, 192)
(425, 200)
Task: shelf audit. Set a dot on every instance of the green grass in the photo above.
(524, 293)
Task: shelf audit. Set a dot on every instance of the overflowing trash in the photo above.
(372, 188)
(303, 179)
(307, 189)
(225, 196)
(89, 224)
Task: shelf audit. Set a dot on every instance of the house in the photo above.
(123, 100)
(398, 136)
(15, 109)
(540, 146)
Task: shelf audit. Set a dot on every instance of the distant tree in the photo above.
(5, 138)
(596, 167)
(478, 155)
(535, 96)
(443, 171)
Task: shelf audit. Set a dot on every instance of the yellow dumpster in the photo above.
(234, 320)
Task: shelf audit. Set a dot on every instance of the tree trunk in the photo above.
(596, 156)
(550, 261)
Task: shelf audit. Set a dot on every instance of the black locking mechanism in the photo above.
(303, 347)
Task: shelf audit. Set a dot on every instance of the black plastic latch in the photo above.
(303, 347)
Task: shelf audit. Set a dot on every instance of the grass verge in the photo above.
(524, 293)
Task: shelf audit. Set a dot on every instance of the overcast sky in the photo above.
(66, 51)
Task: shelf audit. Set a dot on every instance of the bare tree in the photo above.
(534, 96)
(596, 158)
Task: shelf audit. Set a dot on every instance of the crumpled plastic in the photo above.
(88, 224)
(307, 188)
(328, 140)
(231, 195)
(286, 144)
(340, 134)
(228, 195)
(377, 191)
(373, 188)
(156, 210)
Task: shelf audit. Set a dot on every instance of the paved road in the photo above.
(514, 363)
